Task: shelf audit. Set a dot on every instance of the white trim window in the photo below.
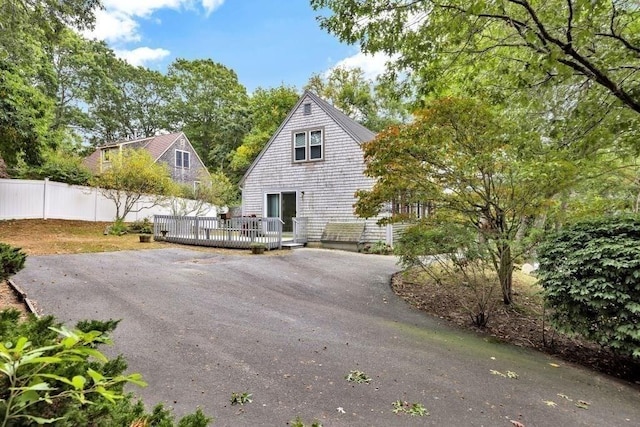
(183, 159)
(308, 146)
(108, 154)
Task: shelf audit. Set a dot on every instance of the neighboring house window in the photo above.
(108, 154)
(308, 145)
(182, 159)
(196, 187)
(307, 109)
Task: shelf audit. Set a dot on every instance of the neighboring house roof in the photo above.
(155, 145)
(358, 132)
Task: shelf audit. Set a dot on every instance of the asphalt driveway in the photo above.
(288, 328)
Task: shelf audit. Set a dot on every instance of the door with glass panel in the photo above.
(282, 205)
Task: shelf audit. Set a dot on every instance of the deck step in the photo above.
(292, 245)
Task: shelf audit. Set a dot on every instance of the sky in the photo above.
(266, 42)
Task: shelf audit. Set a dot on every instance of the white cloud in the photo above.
(118, 22)
(142, 55)
(211, 5)
(371, 65)
(114, 27)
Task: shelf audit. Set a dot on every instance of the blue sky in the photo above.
(266, 42)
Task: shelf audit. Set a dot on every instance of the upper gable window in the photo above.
(307, 109)
(108, 154)
(308, 146)
(183, 159)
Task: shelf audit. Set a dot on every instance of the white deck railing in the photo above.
(300, 229)
(238, 232)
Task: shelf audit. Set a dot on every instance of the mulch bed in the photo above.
(520, 324)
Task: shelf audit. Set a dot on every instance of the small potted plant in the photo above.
(257, 248)
(144, 229)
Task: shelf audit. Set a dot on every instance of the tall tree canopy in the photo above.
(29, 32)
(211, 106)
(586, 41)
(267, 109)
(127, 102)
(362, 99)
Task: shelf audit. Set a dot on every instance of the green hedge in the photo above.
(590, 272)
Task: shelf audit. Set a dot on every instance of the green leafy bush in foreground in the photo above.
(590, 272)
(52, 375)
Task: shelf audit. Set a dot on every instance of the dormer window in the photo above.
(308, 146)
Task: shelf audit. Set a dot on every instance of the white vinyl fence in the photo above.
(30, 199)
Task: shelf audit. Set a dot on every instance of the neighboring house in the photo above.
(173, 149)
(311, 168)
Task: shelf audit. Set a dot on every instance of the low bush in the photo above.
(11, 261)
(118, 228)
(590, 272)
(143, 226)
(50, 374)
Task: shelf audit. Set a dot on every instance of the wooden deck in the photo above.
(239, 233)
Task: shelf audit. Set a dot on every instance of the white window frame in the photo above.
(108, 153)
(307, 145)
(181, 154)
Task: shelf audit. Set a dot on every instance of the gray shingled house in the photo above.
(173, 149)
(308, 174)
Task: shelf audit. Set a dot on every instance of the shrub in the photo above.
(378, 248)
(11, 261)
(118, 228)
(590, 272)
(59, 167)
(451, 255)
(144, 226)
(60, 376)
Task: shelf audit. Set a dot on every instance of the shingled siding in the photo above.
(186, 176)
(325, 189)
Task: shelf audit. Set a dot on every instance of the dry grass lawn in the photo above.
(54, 236)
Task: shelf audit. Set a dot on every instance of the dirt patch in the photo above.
(521, 323)
(9, 299)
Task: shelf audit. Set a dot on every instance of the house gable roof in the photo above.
(359, 133)
(155, 145)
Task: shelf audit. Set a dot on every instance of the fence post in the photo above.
(45, 199)
(197, 229)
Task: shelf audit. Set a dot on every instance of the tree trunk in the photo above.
(505, 272)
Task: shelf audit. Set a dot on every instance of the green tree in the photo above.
(133, 175)
(215, 189)
(267, 110)
(211, 106)
(357, 96)
(129, 102)
(475, 167)
(577, 40)
(29, 30)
